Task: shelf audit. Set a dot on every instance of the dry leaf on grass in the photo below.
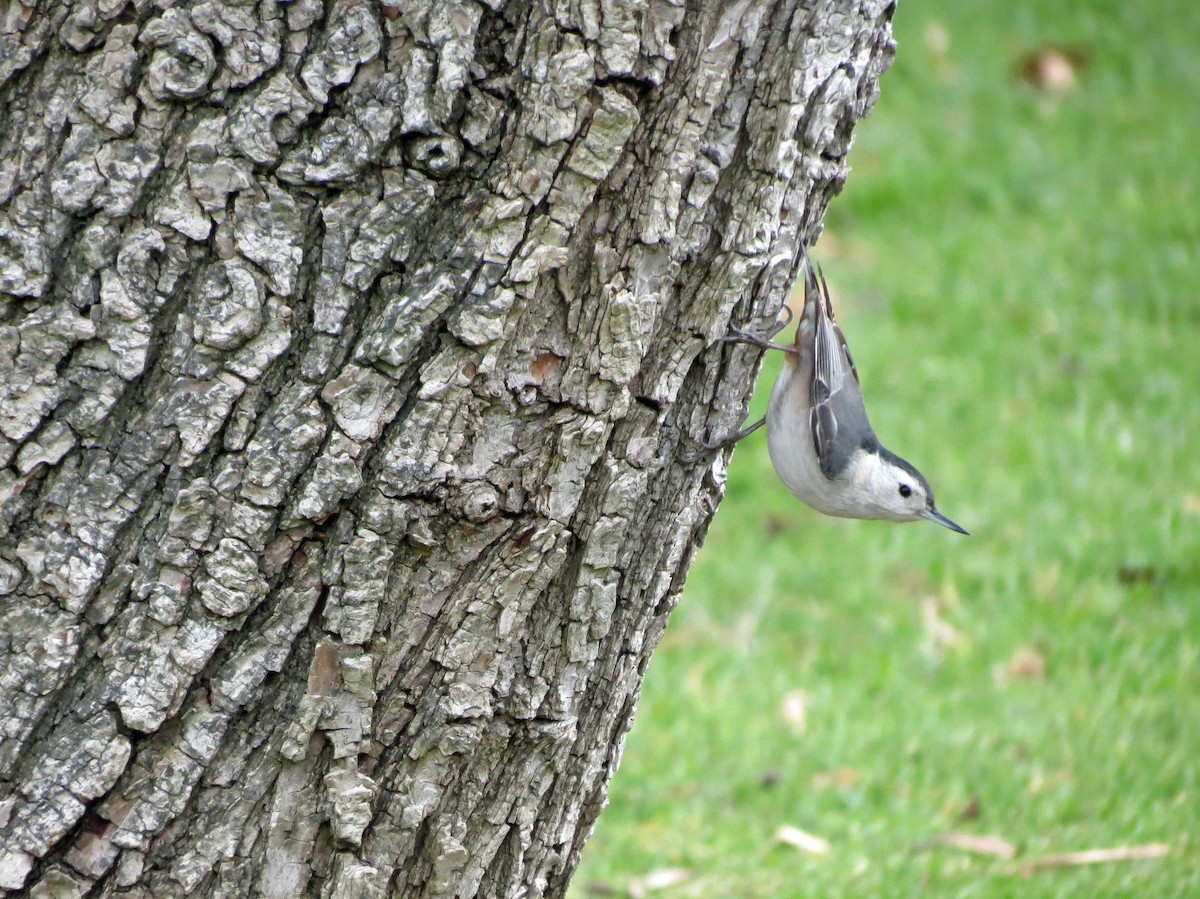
(841, 777)
(1053, 69)
(658, 880)
(939, 631)
(801, 839)
(972, 810)
(1026, 664)
(793, 710)
(937, 39)
(1096, 857)
(996, 847)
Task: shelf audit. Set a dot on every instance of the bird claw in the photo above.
(787, 319)
(711, 446)
(707, 448)
(743, 335)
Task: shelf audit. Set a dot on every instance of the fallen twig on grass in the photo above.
(802, 839)
(657, 880)
(1095, 857)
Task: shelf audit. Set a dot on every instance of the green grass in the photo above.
(1017, 275)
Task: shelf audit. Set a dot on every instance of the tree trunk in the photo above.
(349, 357)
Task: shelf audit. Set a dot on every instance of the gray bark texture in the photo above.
(350, 354)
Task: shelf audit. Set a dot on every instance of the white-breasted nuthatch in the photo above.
(821, 443)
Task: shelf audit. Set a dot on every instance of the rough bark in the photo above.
(348, 357)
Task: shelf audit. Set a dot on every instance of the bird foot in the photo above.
(743, 335)
(707, 448)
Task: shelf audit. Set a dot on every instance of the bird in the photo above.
(820, 440)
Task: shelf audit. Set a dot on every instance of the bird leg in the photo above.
(739, 335)
(712, 446)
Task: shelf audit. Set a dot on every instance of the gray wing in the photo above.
(838, 416)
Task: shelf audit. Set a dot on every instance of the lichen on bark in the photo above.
(350, 355)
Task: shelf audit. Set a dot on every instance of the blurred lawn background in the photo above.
(1015, 265)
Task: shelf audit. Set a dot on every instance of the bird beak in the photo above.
(938, 518)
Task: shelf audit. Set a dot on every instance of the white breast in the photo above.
(790, 442)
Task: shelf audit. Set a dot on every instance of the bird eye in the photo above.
(905, 491)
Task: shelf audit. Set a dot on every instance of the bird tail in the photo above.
(813, 309)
